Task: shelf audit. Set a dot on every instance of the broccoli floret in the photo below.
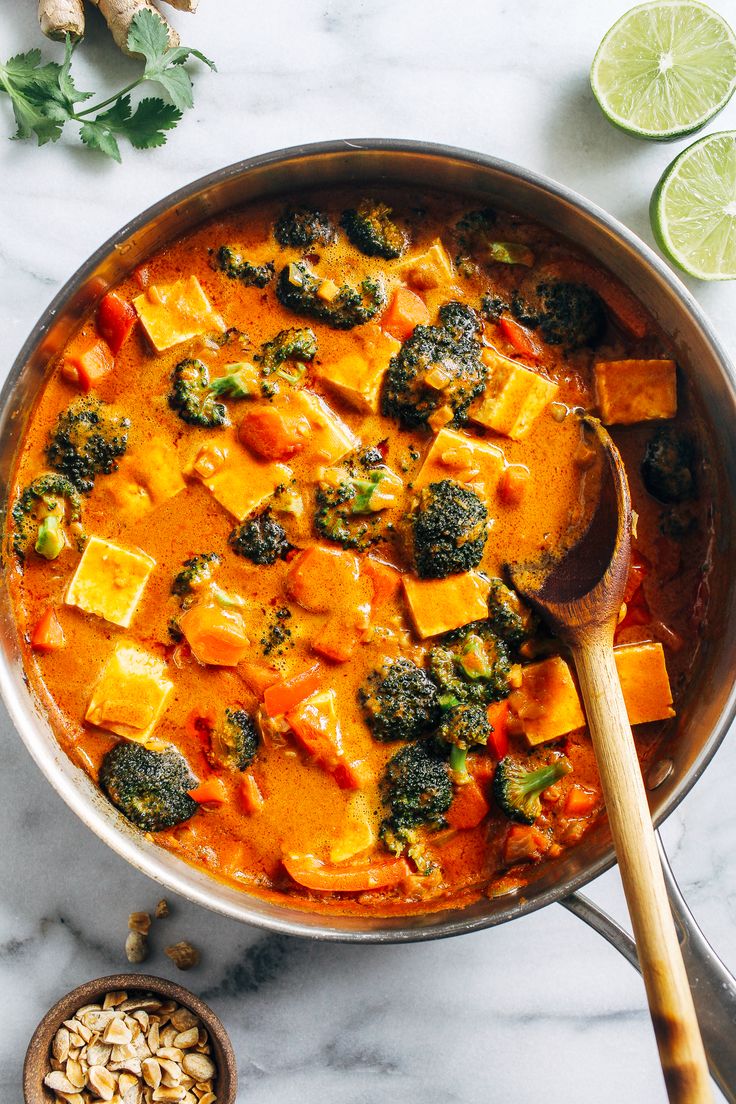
(229, 261)
(400, 701)
(342, 510)
(472, 230)
(517, 790)
(465, 726)
(492, 307)
(371, 229)
(195, 573)
(192, 398)
(43, 502)
(298, 289)
(667, 467)
(566, 313)
(87, 441)
(148, 787)
(301, 227)
(234, 742)
(510, 619)
(436, 366)
(260, 539)
(448, 529)
(298, 345)
(470, 668)
(417, 789)
(240, 382)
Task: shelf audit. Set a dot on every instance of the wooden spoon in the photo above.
(580, 595)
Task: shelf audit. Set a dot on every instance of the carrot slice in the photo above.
(524, 843)
(385, 578)
(469, 806)
(405, 311)
(258, 676)
(47, 634)
(273, 434)
(216, 636)
(308, 871)
(282, 696)
(210, 792)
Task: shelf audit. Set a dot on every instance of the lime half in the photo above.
(693, 208)
(665, 69)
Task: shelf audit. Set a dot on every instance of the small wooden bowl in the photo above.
(36, 1064)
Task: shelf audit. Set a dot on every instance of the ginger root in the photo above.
(59, 18)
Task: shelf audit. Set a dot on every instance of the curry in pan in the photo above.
(258, 530)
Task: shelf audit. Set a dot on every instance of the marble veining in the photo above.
(542, 1008)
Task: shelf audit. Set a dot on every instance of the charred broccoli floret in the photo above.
(195, 573)
(448, 529)
(517, 790)
(301, 227)
(492, 307)
(260, 539)
(371, 229)
(465, 726)
(472, 229)
(298, 345)
(347, 512)
(150, 788)
(234, 742)
(298, 289)
(191, 397)
(236, 267)
(436, 366)
(400, 701)
(417, 789)
(566, 313)
(667, 467)
(86, 442)
(470, 665)
(40, 512)
(510, 619)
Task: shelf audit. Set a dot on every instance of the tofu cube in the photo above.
(356, 380)
(629, 391)
(109, 581)
(644, 681)
(514, 397)
(172, 313)
(130, 694)
(548, 704)
(331, 438)
(430, 269)
(146, 479)
(234, 477)
(440, 605)
(454, 455)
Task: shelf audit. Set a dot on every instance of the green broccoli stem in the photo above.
(536, 781)
(458, 757)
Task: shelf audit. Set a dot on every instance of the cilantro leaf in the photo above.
(148, 36)
(68, 89)
(148, 123)
(99, 137)
(33, 90)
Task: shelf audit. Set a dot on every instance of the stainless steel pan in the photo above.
(704, 717)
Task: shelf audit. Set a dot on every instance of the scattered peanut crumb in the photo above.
(183, 955)
(140, 922)
(136, 947)
(162, 909)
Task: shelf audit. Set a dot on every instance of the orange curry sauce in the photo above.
(307, 811)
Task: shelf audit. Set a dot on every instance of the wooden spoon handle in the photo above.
(670, 1001)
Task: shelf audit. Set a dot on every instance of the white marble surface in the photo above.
(538, 1009)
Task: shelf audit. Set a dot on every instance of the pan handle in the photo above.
(712, 986)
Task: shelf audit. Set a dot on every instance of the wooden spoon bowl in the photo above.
(36, 1064)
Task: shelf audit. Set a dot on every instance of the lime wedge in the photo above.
(693, 208)
(665, 69)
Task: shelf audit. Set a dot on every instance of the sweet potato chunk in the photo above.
(630, 391)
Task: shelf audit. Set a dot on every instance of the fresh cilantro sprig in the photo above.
(45, 98)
